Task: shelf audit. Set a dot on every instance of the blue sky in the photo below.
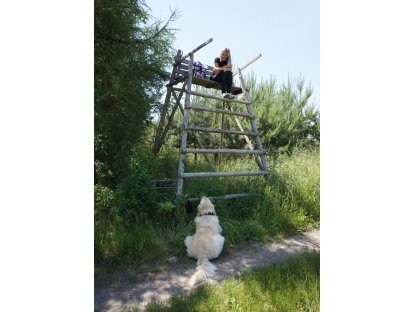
(285, 32)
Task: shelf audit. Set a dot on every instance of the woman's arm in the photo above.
(228, 67)
(217, 69)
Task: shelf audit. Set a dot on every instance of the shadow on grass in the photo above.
(184, 303)
(292, 285)
(289, 286)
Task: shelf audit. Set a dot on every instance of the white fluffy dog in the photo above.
(207, 242)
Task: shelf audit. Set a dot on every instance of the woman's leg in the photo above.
(228, 80)
(223, 81)
(220, 78)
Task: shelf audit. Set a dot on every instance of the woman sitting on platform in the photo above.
(223, 74)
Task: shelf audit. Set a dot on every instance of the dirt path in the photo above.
(141, 286)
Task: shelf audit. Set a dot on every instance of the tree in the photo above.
(131, 52)
(286, 118)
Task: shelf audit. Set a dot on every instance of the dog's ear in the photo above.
(205, 200)
(188, 206)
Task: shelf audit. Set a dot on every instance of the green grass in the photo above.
(289, 286)
(287, 201)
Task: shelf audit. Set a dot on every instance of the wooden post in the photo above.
(252, 121)
(157, 143)
(191, 54)
(222, 133)
(160, 129)
(198, 141)
(181, 168)
(249, 63)
(248, 141)
(161, 139)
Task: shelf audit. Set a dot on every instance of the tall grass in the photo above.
(288, 200)
(289, 286)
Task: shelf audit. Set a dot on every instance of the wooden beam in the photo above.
(224, 150)
(221, 132)
(164, 181)
(218, 130)
(181, 168)
(196, 49)
(249, 63)
(248, 141)
(198, 141)
(253, 123)
(209, 96)
(224, 111)
(158, 144)
(228, 196)
(222, 174)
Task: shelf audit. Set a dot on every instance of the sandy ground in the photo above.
(142, 285)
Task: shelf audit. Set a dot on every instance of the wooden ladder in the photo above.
(257, 151)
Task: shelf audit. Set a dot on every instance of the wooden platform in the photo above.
(213, 85)
(180, 73)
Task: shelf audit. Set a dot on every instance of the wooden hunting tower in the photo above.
(183, 72)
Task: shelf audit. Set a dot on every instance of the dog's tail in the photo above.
(204, 270)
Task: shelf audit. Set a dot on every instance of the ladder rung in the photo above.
(209, 96)
(164, 181)
(217, 130)
(221, 174)
(222, 151)
(228, 196)
(223, 111)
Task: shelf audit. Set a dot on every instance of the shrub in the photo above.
(136, 198)
(104, 201)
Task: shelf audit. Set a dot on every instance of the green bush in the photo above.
(136, 195)
(288, 201)
(104, 203)
(136, 198)
(117, 245)
(293, 191)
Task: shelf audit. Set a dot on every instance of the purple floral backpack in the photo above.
(199, 70)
